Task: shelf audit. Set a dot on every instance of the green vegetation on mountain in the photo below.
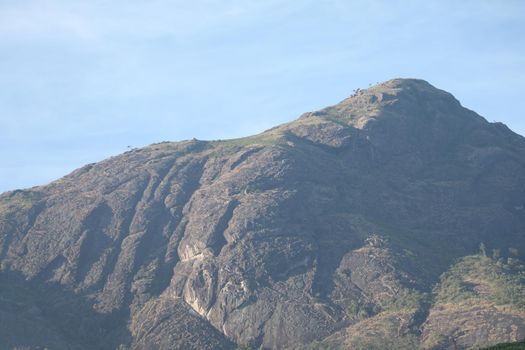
(507, 346)
(483, 278)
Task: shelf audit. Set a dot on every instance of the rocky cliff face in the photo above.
(336, 229)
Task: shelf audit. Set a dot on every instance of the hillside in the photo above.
(356, 225)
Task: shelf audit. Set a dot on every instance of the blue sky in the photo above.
(82, 80)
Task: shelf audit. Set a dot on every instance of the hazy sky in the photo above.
(82, 80)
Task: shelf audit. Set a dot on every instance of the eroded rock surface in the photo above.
(283, 239)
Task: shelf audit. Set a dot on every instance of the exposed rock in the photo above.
(335, 224)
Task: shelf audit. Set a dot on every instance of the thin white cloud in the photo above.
(42, 20)
(60, 20)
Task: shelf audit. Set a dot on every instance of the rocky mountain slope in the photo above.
(356, 226)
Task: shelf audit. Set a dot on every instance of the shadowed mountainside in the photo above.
(356, 225)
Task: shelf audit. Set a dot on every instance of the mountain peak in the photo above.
(322, 231)
(410, 86)
(409, 97)
(407, 82)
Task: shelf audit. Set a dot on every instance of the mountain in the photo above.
(394, 219)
